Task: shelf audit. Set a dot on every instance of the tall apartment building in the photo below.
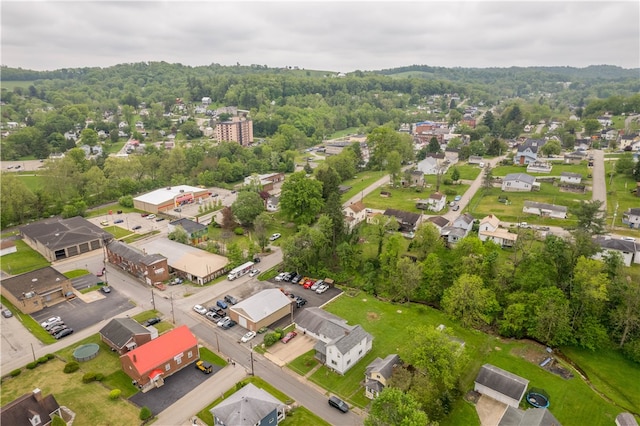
(236, 130)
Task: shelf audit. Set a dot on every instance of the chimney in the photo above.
(134, 358)
(37, 395)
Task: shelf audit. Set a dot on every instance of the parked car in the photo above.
(296, 279)
(144, 214)
(177, 209)
(200, 309)
(457, 198)
(57, 329)
(105, 289)
(228, 324)
(118, 221)
(213, 316)
(135, 228)
(223, 321)
(250, 335)
(288, 277)
(290, 335)
(230, 299)
(63, 333)
(254, 272)
(280, 276)
(159, 219)
(322, 289)
(455, 208)
(151, 321)
(50, 321)
(308, 284)
(104, 223)
(263, 330)
(315, 285)
(217, 311)
(53, 324)
(274, 237)
(7, 313)
(204, 366)
(176, 281)
(336, 402)
(221, 304)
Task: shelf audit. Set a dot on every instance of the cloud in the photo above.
(338, 36)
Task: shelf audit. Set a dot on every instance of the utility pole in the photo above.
(173, 313)
(251, 353)
(153, 300)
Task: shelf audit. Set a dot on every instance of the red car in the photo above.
(289, 336)
(308, 284)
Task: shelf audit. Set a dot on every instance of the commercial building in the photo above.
(238, 129)
(169, 198)
(262, 309)
(34, 291)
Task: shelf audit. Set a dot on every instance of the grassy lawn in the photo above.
(360, 182)
(33, 182)
(405, 198)
(136, 237)
(572, 401)
(24, 260)
(467, 171)
(618, 195)
(117, 232)
(76, 273)
(299, 417)
(212, 358)
(90, 401)
(304, 363)
(557, 169)
(29, 323)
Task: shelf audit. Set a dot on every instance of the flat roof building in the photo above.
(169, 198)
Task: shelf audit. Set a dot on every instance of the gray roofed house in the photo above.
(377, 374)
(528, 151)
(569, 177)
(408, 221)
(58, 239)
(439, 221)
(626, 419)
(196, 231)
(249, 406)
(518, 182)
(531, 417)
(501, 385)
(124, 334)
(545, 210)
(33, 409)
(632, 217)
(340, 345)
(629, 250)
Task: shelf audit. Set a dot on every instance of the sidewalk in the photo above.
(184, 410)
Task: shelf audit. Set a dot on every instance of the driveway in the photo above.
(175, 387)
(283, 353)
(17, 341)
(599, 179)
(490, 411)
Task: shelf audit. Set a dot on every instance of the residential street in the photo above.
(599, 178)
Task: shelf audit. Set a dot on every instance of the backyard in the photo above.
(24, 260)
(405, 198)
(619, 194)
(572, 400)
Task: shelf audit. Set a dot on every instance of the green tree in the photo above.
(455, 175)
(591, 126)
(552, 317)
(487, 178)
(393, 407)
(179, 234)
(426, 240)
(636, 172)
(89, 137)
(330, 181)
(379, 227)
(468, 301)
(625, 165)
(405, 283)
(550, 148)
(434, 146)
(394, 166)
(301, 198)
(247, 207)
(590, 216)
(190, 129)
(261, 229)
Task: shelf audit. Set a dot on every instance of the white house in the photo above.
(568, 177)
(629, 250)
(273, 204)
(632, 218)
(539, 167)
(514, 182)
(436, 201)
(459, 229)
(433, 165)
(354, 213)
(545, 210)
(464, 221)
(340, 346)
(528, 151)
(489, 230)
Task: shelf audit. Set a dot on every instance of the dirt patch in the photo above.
(537, 354)
(372, 316)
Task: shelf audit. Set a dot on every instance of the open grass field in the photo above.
(405, 198)
(24, 260)
(618, 194)
(32, 181)
(557, 169)
(117, 231)
(89, 401)
(359, 183)
(467, 171)
(300, 416)
(572, 401)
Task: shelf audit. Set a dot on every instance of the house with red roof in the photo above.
(149, 364)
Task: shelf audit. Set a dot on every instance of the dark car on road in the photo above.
(105, 289)
(296, 279)
(135, 228)
(336, 402)
(230, 299)
(228, 324)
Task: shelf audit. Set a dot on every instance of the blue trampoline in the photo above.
(538, 398)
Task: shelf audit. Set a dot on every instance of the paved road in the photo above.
(368, 190)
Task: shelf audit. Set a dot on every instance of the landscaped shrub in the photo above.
(270, 339)
(450, 192)
(16, 372)
(42, 360)
(50, 356)
(145, 413)
(447, 181)
(32, 365)
(238, 231)
(99, 377)
(114, 394)
(279, 332)
(70, 367)
(89, 377)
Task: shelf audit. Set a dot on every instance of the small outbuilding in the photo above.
(501, 385)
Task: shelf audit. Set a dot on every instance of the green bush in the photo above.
(447, 181)
(450, 192)
(16, 372)
(42, 360)
(99, 377)
(145, 413)
(71, 367)
(89, 377)
(126, 201)
(50, 356)
(238, 231)
(114, 394)
(270, 339)
(279, 332)
(57, 421)
(32, 365)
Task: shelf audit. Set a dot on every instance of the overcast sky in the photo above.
(327, 35)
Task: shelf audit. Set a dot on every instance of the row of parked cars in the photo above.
(319, 286)
(56, 327)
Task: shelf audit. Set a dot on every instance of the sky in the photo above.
(335, 36)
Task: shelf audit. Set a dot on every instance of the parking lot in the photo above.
(78, 314)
